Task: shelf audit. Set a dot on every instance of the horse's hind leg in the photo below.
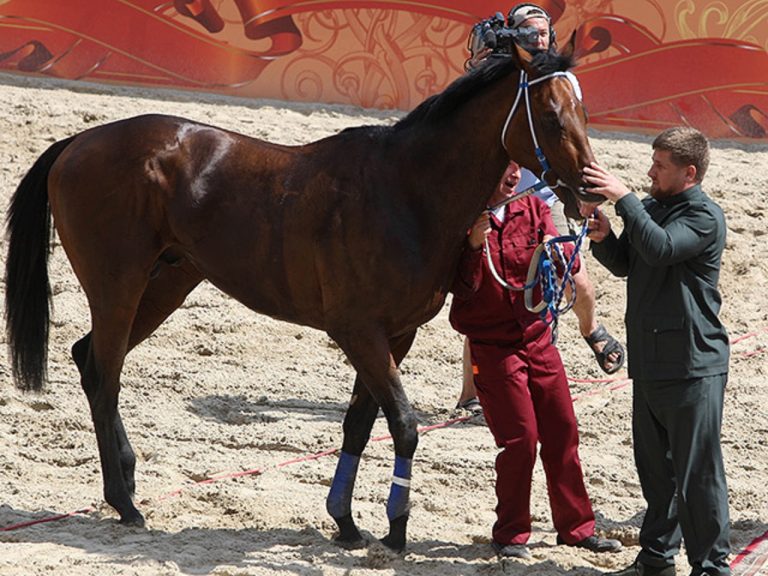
(165, 292)
(107, 345)
(358, 423)
(80, 352)
(163, 295)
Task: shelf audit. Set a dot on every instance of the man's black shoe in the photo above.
(595, 544)
(512, 551)
(640, 569)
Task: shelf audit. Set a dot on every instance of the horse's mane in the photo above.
(443, 104)
(462, 89)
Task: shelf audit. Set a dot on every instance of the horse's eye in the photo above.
(551, 121)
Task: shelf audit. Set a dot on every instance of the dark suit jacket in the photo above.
(670, 252)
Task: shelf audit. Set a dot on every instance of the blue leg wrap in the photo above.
(339, 501)
(398, 503)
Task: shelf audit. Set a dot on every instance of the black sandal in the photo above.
(472, 406)
(612, 346)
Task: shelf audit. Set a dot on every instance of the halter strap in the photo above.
(523, 92)
(518, 195)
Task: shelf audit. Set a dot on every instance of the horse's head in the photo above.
(546, 130)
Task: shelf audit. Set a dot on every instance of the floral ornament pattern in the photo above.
(644, 65)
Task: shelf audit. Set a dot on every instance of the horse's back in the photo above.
(113, 188)
(124, 192)
(142, 164)
(301, 233)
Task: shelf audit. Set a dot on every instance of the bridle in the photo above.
(541, 270)
(523, 93)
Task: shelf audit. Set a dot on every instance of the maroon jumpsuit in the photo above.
(520, 379)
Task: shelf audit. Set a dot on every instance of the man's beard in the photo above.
(656, 192)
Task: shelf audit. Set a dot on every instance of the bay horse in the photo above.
(358, 234)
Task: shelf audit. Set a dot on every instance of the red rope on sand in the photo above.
(593, 380)
(252, 472)
(44, 520)
(747, 336)
(621, 383)
(756, 563)
(231, 475)
(751, 353)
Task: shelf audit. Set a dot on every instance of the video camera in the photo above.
(492, 33)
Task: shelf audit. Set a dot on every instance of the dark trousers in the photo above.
(676, 428)
(525, 399)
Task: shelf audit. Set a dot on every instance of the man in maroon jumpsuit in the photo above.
(519, 376)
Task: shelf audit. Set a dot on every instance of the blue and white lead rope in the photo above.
(543, 272)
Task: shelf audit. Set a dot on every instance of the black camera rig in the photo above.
(492, 33)
(498, 35)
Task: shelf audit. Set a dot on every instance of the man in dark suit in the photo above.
(670, 252)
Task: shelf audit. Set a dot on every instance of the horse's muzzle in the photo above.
(582, 202)
(588, 201)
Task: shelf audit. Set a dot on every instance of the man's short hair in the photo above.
(687, 147)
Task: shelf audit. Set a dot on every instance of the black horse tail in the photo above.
(27, 289)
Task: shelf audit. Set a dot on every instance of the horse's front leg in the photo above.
(376, 360)
(402, 426)
(358, 423)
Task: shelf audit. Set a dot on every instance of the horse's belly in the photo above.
(264, 288)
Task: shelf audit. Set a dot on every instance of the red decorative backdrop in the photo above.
(643, 64)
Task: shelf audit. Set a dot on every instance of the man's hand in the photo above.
(605, 183)
(479, 232)
(599, 226)
(477, 58)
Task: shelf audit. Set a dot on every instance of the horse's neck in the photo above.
(469, 157)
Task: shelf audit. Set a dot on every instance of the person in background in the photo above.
(670, 252)
(534, 32)
(519, 375)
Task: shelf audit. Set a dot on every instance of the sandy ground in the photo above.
(219, 390)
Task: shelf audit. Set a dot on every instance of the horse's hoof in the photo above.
(395, 540)
(353, 544)
(136, 520)
(349, 536)
(394, 544)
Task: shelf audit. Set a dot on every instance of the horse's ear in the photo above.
(570, 48)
